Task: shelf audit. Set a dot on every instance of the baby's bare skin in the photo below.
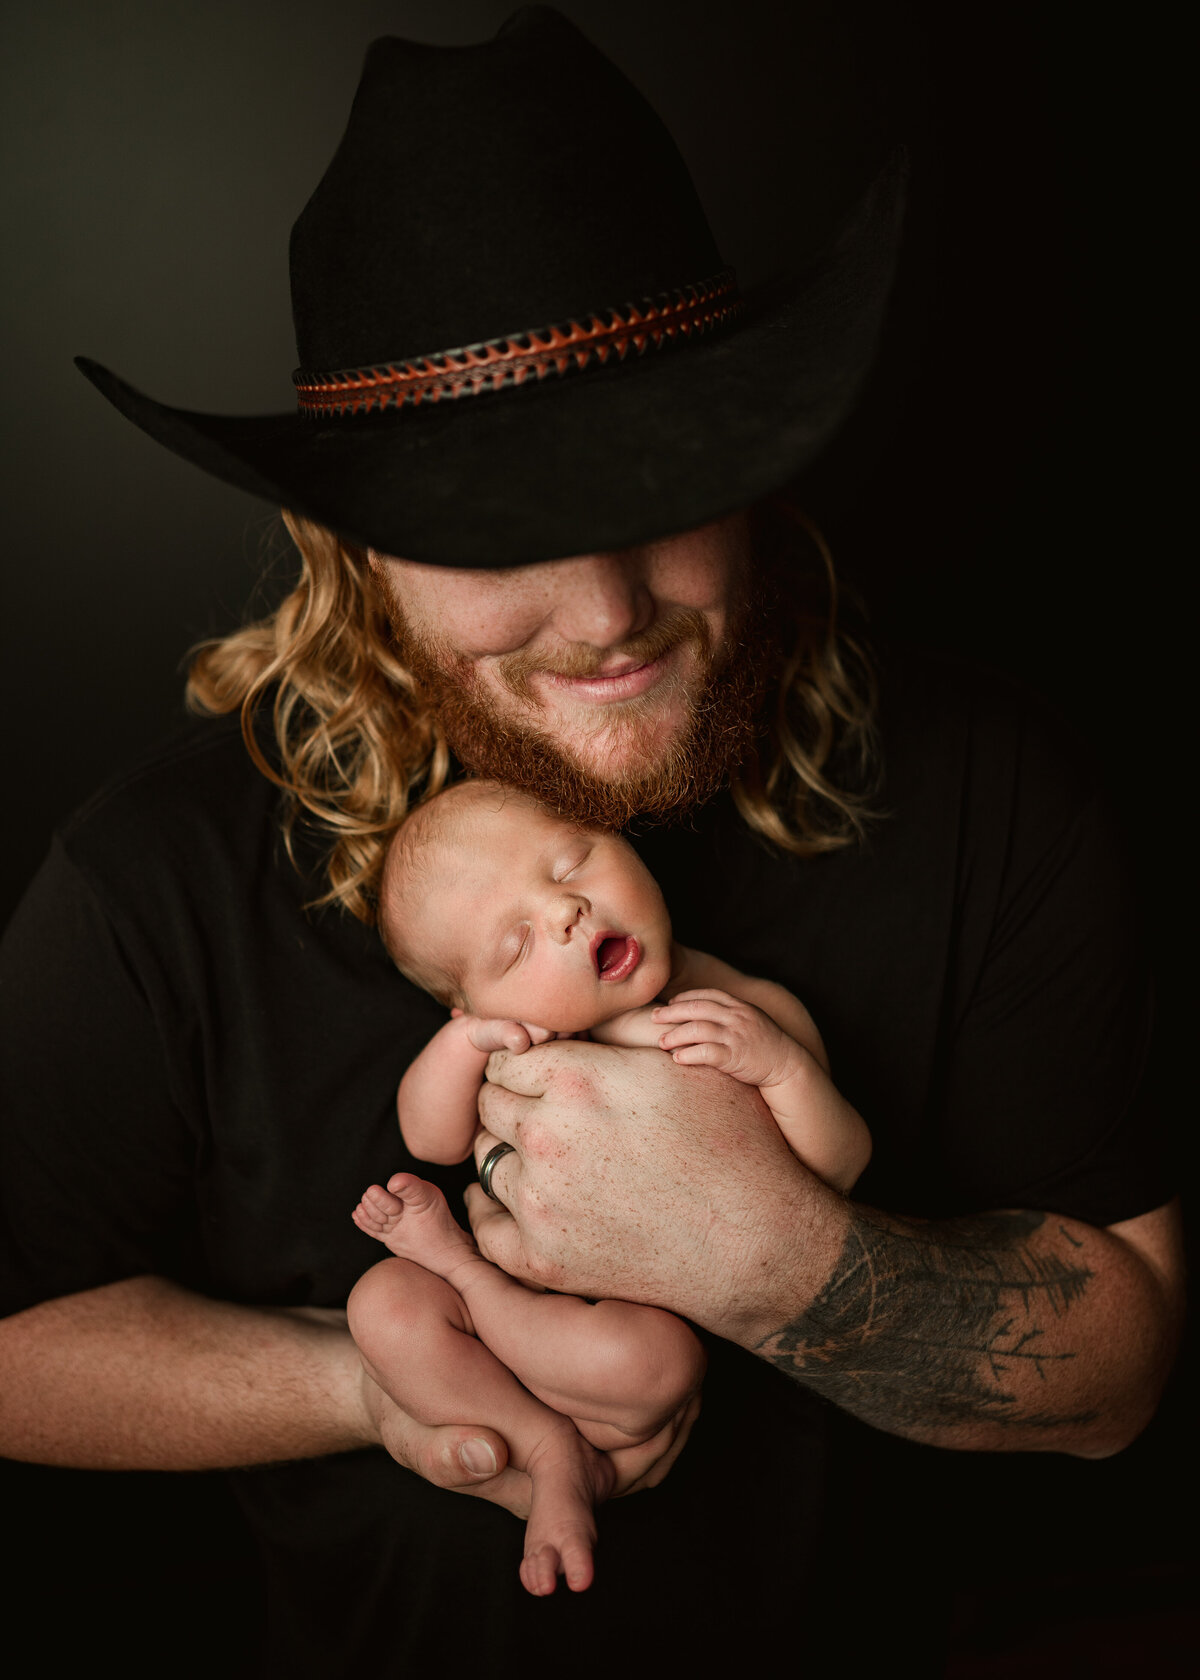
(759, 1034)
(596, 1377)
(534, 929)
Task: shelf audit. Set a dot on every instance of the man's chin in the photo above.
(659, 757)
(643, 767)
(621, 749)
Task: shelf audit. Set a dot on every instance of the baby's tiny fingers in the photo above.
(702, 1009)
(690, 1032)
(539, 1571)
(707, 1055)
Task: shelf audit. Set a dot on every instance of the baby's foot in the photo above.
(568, 1479)
(411, 1219)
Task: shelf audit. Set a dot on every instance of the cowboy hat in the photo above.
(518, 340)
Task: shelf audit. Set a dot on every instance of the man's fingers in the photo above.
(646, 1465)
(486, 1216)
(526, 1075)
(496, 1233)
(463, 1458)
(500, 1109)
(482, 1146)
(450, 1458)
(455, 1455)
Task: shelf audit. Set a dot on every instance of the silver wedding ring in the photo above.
(488, 1166)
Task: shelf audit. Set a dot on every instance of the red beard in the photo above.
(718, 736)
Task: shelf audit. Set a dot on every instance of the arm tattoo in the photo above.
(924, 1325)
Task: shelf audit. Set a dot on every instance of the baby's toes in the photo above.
(539, 1571)
(376, 1207)
(415, 1194)
(577, 1565)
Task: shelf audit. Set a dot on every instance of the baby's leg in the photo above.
(620, 1371)
(416, 1339)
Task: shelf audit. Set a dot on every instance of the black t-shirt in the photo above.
(199, 1082)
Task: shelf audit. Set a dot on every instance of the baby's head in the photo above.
(501, 908)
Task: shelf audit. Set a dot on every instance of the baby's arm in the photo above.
(438, 1097)
(696, 971)
(718, 1029)
(633, 1029)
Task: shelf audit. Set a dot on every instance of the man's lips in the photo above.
(624, 681)
(615, 955)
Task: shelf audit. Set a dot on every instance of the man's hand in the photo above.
(465, 1459)
(647, 1464)
(639, 1178)
(1008, 1330)
(457, 1456)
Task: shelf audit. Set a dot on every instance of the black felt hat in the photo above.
(518, 340)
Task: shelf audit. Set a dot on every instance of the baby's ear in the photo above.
(455, 1012)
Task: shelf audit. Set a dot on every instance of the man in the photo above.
(544, 563)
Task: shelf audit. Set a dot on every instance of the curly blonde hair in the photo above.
(358, 749)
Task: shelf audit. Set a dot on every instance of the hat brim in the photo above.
(586, 463)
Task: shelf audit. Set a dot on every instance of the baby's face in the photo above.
(547, 923)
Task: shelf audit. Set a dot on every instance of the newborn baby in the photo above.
(530, 928)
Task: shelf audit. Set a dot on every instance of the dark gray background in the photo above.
(999, 494)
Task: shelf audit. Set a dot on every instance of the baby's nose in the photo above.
(563, 914)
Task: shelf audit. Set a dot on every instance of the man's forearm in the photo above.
(1004, 1331)
(1008, 1331)
(143, 1375)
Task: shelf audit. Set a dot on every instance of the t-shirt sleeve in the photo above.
(96, 1162)
(1050, 1098)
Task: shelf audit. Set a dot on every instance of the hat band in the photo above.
(568, 347)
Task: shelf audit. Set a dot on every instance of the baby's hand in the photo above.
(717, 1030)
(492, 1035)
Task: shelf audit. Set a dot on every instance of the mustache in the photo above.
(583, 659)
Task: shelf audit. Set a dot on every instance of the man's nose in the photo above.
(602, 599)
(563, 914)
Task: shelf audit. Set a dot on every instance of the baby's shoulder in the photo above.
(697, 971)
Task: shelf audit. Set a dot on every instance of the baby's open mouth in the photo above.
(616, 955)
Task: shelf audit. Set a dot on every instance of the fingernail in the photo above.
(477, 1457)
